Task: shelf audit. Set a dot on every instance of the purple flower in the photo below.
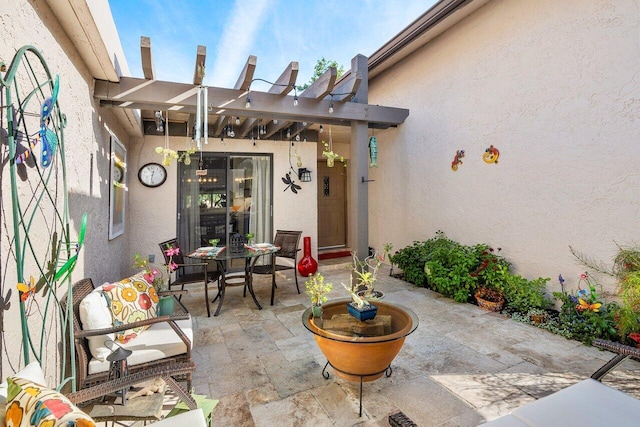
(560, 279)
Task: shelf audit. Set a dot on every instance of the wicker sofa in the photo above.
(163, 350)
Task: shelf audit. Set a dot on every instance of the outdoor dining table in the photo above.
(222, 256)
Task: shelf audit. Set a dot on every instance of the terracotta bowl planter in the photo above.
(353, 356)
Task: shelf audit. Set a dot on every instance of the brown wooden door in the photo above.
(331, 205)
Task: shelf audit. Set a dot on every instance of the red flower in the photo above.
(144, 301)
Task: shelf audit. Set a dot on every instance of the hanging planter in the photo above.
(330, 154)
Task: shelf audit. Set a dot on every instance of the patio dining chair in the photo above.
(189, 272)
(288, 242)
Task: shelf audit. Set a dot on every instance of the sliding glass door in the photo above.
(222, 194)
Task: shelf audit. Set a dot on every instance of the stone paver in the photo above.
(462, 365)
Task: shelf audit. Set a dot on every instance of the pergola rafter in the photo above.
(274, 109)
(282, 86)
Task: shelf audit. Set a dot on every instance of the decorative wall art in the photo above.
(373, 152)
(457, 160)
(41, 255)
(491, 155)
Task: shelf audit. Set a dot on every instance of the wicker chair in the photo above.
(185, 277)
(288, 242)
(97, 384)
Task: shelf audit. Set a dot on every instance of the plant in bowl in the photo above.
(366, 273)
(489, 299)
(359, 307)
(317, 289)
(249, 237)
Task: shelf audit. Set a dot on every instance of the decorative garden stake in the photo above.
(373, 152)
(491, 155)
(457, 160)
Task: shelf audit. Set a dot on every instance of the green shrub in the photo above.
(628, 316)
(449, 269)
(522, 294)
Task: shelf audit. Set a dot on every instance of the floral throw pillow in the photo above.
(131, 300)
(31, 404)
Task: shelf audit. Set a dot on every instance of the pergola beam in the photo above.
(346, 90)
(243, 83)
(154, 95)
(198, 72)
(322, 86)
(146, 57)
(282, 86)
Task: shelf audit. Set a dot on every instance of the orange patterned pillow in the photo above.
(131, 300)
(31, 404)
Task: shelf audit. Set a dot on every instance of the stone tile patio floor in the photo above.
(462, 365)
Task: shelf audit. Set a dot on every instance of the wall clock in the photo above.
(152, 175)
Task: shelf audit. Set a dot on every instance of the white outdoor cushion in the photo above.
(32, 372)
(587, 403)
(95, 314)
(157, 342)
(194, 418)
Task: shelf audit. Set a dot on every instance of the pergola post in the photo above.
(359, 167)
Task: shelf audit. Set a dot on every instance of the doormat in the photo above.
(331, 255)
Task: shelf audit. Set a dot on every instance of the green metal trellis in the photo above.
(43, 251)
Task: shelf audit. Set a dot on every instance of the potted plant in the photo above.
(154, 277)
(489, 299)
(537, 315)
(331, 155)
(249, 237)
(317, 289)
(366, 273)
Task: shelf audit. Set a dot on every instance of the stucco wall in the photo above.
(87, 150)
(153, 211)
(555, 87)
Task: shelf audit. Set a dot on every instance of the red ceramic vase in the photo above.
(307, 265)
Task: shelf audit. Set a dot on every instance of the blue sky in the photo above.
(276, 31)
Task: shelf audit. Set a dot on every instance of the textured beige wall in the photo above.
(87, 148)
(555, 87)
(153, 211)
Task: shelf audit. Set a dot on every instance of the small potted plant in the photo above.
(366, 273)
(359, 308)
(249, 237)
(154, 276)
(537, 315)
(489, 299)
(317, 289)
(331, 155)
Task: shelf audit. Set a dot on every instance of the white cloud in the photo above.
(238, 36)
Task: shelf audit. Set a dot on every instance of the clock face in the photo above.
(152, 175)
(118, 173)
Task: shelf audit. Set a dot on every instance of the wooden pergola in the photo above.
(327, 101)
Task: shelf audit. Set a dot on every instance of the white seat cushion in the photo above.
(588, 403)
(157, 342)
(95, 314)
